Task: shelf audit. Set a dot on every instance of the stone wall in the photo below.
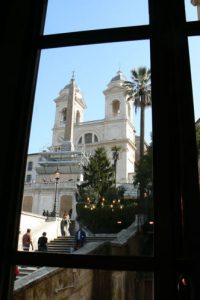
(55, 284)
(79, 284)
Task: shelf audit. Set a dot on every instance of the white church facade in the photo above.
(73, 141)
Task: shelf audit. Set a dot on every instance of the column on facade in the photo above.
(69, 126)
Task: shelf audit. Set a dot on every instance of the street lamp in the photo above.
(57, 177)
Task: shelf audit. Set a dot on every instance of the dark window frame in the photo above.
(30, 166)
(64, 114)
(88, 138)
(116, 107)
(28, 178)
(175, 249)
(96, 140)
(80, 141)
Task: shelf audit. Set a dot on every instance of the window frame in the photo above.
(30, 166)
(168, 32)
(88, 138)
(28, 178)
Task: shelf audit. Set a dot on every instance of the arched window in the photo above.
(80, 140)
(116, 107)
(95, 138)
(64, 114)
(88, 138)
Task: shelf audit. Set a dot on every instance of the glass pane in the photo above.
(192, 8)
(92, 166)
(77, 15)
(194, 47)
(55, 283)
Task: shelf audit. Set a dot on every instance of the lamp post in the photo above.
(57, 177)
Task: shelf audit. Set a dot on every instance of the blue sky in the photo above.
(94, 65)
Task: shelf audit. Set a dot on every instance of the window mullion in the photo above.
(23, 25)
(167, 21)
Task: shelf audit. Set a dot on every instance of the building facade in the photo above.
(73, 141)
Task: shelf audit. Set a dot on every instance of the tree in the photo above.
(115, 155)
(98, 174)
(144, 171)
(144, 177)
(139, 90)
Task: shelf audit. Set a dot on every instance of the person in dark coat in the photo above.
(42, 242)
(80, 238)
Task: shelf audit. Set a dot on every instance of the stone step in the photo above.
(66, 244)
(26, 270)
(62, 242)
(63, 251)
(54, 242)
(89, 238)
(51, 247)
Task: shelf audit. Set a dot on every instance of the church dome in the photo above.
(65, 90)
(119, 76)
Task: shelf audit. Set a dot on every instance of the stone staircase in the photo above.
(66, 244)
(61, 245)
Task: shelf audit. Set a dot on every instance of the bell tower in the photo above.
(70, 107)
(118, 128)
(116, 104)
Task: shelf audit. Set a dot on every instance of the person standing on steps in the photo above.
(27, 240)
(64, 226)
(80, 238)
(42, 242)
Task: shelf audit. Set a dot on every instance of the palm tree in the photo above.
(139, 90)
(115, 154)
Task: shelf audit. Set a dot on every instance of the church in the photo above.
(73, 141)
